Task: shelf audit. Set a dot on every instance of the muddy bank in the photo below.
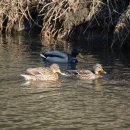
(68, 19)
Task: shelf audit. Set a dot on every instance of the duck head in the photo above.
(56, 69)
(98, 69)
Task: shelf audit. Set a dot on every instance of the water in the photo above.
(63, 105)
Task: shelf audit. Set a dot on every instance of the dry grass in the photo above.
(11, 12)
(59, 18)
(121, 31)
(14, 12)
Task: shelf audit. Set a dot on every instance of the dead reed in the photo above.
(62, 18)
(122, 28)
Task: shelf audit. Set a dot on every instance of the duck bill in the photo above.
(80, 55)
(103, 72)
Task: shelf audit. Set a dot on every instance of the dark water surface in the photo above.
(68, 104)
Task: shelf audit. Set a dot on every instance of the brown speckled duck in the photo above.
(87, 74)
(43, 73)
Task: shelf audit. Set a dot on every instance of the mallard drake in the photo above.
(87, 74)
(60, 57)
(43, 73)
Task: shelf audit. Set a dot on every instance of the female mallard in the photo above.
(60, 57)
(41, 73)
(87, 74)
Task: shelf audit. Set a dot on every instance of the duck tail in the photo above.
(26, 77)
(42, 55)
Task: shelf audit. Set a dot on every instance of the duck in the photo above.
(87, 74)
(60, 56)
(43, 73)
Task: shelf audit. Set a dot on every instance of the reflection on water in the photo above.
(67, 104)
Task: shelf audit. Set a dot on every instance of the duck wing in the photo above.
(59, 54)
(38, 71)
(86, 74)
(81, 74)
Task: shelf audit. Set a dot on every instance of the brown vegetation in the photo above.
(66, 18)
(122, 28)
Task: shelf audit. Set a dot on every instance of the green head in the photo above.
(74, 52)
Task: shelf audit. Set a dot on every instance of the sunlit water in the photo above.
(67, 104)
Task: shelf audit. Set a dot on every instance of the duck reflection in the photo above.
(41, 84)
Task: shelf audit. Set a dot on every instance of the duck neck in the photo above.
(98, 75)
(54, 71)
(74, 55)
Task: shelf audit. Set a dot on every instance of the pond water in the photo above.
(67, 105)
